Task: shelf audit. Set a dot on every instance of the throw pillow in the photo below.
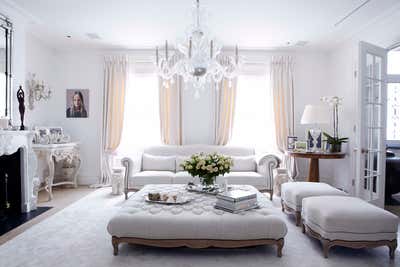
(158, 163)
(179, 161)
(244, 164)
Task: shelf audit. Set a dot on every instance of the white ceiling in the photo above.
(252, 24)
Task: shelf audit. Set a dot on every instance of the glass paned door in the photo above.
(371, 132)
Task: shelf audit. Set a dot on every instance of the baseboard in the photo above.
(87, 180)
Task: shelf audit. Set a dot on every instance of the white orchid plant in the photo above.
(335, 102)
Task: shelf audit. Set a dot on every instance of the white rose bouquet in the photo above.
(207, 166)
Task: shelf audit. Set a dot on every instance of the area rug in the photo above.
(77, 236)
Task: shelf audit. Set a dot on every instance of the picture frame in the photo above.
(77, 103)
(56, 134)
(42, 135)
(291, 140)
(300, 145)
(311, 143)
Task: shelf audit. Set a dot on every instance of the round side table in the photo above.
(313, 169)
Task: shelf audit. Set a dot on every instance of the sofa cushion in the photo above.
(179, 161)
(158, 163)
(152, 177)
(244, 164)
(250, 178)
(348, 218)
(184, 177)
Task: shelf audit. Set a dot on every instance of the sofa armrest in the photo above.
(128, 164)
(270, 161)
(265, 166)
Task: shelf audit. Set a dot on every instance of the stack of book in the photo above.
(236, 201)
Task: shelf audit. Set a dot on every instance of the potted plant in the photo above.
(335, 143)
(207, 167)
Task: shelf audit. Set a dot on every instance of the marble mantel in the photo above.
(10, 142)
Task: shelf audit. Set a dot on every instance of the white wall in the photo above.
(63, 70)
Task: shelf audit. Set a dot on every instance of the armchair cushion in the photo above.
(158, 163)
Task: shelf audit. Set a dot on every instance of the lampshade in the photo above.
(315, 115)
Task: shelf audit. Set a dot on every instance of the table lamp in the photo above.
(315, 116)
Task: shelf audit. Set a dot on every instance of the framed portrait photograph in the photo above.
(77, 104)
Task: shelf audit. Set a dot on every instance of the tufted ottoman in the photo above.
(293, 194)
(349, 222)
(195, 224)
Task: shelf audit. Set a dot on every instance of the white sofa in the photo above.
(161, 165)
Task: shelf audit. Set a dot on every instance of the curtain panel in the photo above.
(115, 81)
(224, 110)
(282, 86)
(170, 107)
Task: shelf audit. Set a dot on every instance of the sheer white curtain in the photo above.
(170, 109)
(225, 102)
(115, 81)
(282, 85)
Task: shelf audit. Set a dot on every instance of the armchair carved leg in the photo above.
(115, 244)
(279, 245)
(392, 248)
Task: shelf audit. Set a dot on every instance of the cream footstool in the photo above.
(293, 194)
(349, 222)
(196, 224)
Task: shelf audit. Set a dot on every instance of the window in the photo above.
(393, 112)
(254, 122)
(394, 61)
(393, 99)
(141, 115)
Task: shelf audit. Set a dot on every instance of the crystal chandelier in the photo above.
(198, 58)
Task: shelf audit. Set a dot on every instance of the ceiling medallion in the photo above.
(198, 58)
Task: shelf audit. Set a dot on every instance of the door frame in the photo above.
(379, 197)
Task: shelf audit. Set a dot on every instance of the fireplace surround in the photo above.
(10, 143)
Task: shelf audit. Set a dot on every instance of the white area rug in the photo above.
(77, 236)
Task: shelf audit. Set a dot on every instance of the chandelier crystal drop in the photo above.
(198, 58)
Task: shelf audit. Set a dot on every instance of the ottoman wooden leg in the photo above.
(115, 244)
(392, 248)
(326, 246)
(298, 218)
(303, 227)
(283, 206)
(279, 245)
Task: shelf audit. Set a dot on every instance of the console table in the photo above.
(52, 153)
(313, 169)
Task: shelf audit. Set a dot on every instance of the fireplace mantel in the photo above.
(10, 142)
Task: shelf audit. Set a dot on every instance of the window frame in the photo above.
(393, 78)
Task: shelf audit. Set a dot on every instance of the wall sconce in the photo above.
(37, 91)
